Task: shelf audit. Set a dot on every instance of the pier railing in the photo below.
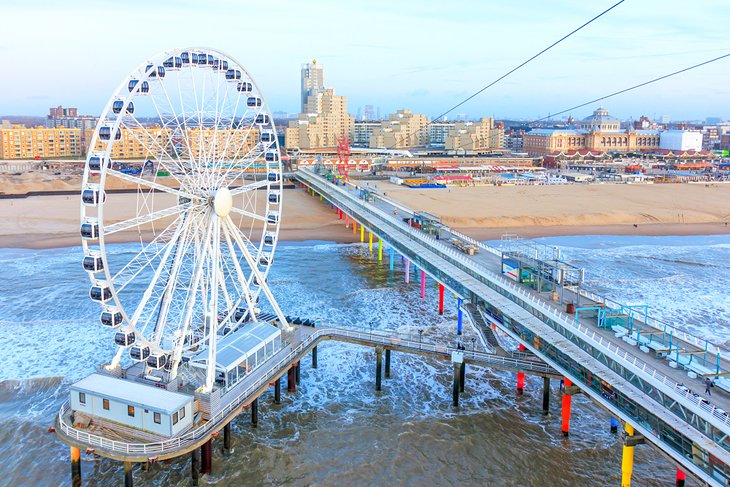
(659, 325)
(374, 337)
(556, 318)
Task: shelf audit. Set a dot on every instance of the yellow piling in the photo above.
(380, 249)
(362, 234)
(354, 227)
(370, 241)
(627, 459)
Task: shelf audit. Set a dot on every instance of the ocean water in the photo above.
(336, 430)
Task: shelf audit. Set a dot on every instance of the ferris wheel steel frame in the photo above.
(202, 268)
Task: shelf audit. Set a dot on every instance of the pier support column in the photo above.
(456, 387)
(545, 395)
(314, 357)
(459, 316)
(362, 234)
(387, 363)
(277, 391)
(380, 249)
(392, 259)
(298, 372)
(194, 467)
(614, 425)
(206, 457)
(354, 227)
(255, 412)
(423, 284)
(520, 383)
(128, 480)
(681, 478)
(347, 221)
(291, 384)
(566, 408)
(441, 299)
(370, 241)
(378, 368)
(75, 467)
(627, 458)
(462, 376)
(408, 271)
(340, 212)
(227, 439)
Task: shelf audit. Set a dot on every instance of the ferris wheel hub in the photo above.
(222, 202)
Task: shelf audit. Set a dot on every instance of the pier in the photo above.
(132, 447)
(648, 374)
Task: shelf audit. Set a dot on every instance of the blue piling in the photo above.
(614, 425)
(392, 258)
(460, 315)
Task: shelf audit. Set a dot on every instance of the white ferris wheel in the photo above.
(185, 162)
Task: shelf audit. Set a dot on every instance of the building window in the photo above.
(82, 397)
(130, 411)
(105, 404)
(156, 418)
(182, 413)
(174, 418)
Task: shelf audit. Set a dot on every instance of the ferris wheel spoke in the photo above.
(170, 287)
(250, 187)
(144, 259)
(248, 214)
(149, 218)
(155, 278)
(150, 184)
(154, 148)
(175, 162)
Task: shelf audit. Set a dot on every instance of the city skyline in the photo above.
(424, 59)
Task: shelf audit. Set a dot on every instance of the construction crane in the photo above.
(343, 155)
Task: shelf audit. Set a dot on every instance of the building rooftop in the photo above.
(600, 116)
(239, 345)
(132, 393)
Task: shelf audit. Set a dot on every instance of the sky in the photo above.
(421, 55)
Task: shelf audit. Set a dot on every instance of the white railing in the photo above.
(708, 411)
(377, 337)
(700, 343)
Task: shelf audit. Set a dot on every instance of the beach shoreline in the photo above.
(51, 221)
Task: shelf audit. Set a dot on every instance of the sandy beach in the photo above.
(485, 212)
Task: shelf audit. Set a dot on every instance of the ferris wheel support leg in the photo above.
(259, 277)
(117, 358)
(212, 314)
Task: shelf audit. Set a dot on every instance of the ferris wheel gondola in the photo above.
(206, 220)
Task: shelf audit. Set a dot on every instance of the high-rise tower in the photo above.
(312, 81)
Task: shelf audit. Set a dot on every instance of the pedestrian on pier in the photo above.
(708, 385)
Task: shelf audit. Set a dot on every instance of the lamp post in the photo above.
(473, 341)
(420, 336)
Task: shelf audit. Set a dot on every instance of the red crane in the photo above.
(343, 155)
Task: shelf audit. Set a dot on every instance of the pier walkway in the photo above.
(131, 447)
(661, 400)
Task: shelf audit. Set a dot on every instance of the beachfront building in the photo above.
(324, 120)
(361, 132)
(402, 130)
(21, 142)
(471, 136)
(600, 133)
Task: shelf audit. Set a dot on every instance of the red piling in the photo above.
(441, 299)
(566, 408)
